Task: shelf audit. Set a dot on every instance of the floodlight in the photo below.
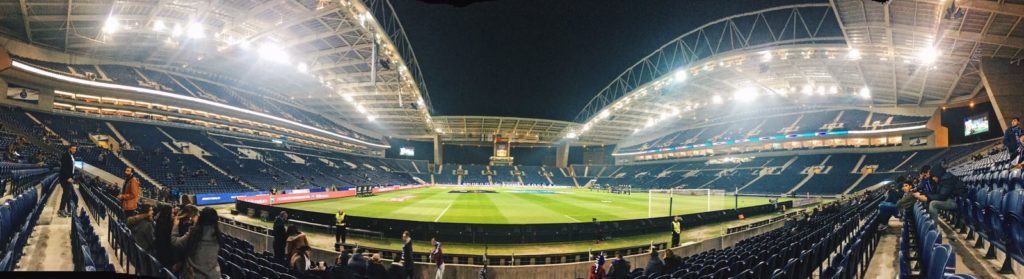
(680, 75)
(854, 54)
(604, 114)
(271, 52)
(744, 94)
(928, 55)
(833, 90)
(111, 25)
(865, 93)
(571, 135)
(195, 31)
(371, 118)
(177, 31)
(159, 26)
(303, 68)
(716, 99)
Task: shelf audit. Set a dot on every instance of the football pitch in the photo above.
(503, 205)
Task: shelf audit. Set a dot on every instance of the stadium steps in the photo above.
(752, 181)
(117, 134)
(855, 183)
(801, 184)
(859, 163)
(912, 155)
(33, 139)
(47, 248)
(138, 171)
(47, 128)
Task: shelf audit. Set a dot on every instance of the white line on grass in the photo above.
(574, 219)
(445, 210)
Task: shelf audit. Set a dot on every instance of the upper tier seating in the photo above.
(778, 125)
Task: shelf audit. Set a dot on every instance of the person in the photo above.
(943, 197)
(130, 192)
(1019, 161)
(437, 256)
(141, 226)
(407, 254)
(280, 237)
(483, 271)
(672, 262)
(375, 269)
(357, 264)
(677, 229)
(301, 263)
(887, 208)
(395, 270)
(66, 178)
(340, 230)
(1011, 136)
(162, 235)
(655, 265)
(200, 246)
(926, 181)
(619, 269)
(598, 232)
(340, 268)
(186, 216)
(597, 271)
(296, 239)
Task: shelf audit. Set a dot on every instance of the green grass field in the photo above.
(518, 205)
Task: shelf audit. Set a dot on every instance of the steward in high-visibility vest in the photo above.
(676, 230)
(340, 229)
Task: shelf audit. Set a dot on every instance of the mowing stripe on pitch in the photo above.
(445, 210)
(574, 219)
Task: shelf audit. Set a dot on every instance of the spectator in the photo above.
(483, 271)
(396, 271)
(162, 235)
(67, 173)
(655, 265)
(296, 239)
(407, 254)
(619, 269)
(437, 257)
(1011, 136)
(375, 269)
(357, 264)
(340, 268)
(186, 216)
(141, 226)
(597, 271)
(1019, 161)
(200, 245)
(280, 237)
(888, 207)
(672, 262)
(12, 152)
(943, 197)
(300, 261)
(130, 192)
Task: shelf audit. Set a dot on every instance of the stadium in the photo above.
(306, 139)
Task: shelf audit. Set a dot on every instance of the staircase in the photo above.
(208, 163)
(139, 171)
(801, 184)
(855, 184)
(119, 136)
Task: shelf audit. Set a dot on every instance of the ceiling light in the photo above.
(271, 52)
(604, 114)
(177, 31)
(347, 97)
(766, 56)
(571, 135)
(371, 118)
(865, 93)
(745, 94)
(438, 130)
(361, 109)
(195, 31)
(833, 90)
(303, 68)
(854, 54)
(159, 26)
(111, 25)
(680, 75)
(928, 55)
(716, 99)
(807, 89)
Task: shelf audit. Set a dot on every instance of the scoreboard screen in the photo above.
(501, 146)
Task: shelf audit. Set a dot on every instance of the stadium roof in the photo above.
(845, 53)
(334, 41)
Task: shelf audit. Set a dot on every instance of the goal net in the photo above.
(675, 201)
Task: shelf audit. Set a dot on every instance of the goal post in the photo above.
(666, 199)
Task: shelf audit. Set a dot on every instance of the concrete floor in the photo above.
(47, 247)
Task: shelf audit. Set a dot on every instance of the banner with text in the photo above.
(219, 198)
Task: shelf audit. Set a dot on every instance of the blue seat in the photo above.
(936, 268)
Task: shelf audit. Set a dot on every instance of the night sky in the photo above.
(543, 58)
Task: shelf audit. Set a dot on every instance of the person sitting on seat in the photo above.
(620, 268)
(655, 265)
(375, 269)
(943, 197)
(357, 264)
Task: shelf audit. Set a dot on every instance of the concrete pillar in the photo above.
(46, 97)
(1004, 83)
(940, 137)
(438, 157)
(562, 155)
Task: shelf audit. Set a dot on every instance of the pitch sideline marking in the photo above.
(445, 210)
(574, 219)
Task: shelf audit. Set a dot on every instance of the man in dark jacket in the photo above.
(620, 268)
(280, 236)
(66, 178)
(357, 264)
(407, 254)
(943, 197)
(654, 265)
(1010, 137)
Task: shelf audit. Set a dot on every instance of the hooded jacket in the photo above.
(949, 185)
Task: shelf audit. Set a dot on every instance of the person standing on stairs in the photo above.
(129, 196)
(66, 178)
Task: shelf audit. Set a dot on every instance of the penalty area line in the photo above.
(444, 211)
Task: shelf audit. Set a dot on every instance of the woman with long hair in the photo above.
(162, 235)
(200, 245)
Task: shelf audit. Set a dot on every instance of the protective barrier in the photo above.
(221, 198)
